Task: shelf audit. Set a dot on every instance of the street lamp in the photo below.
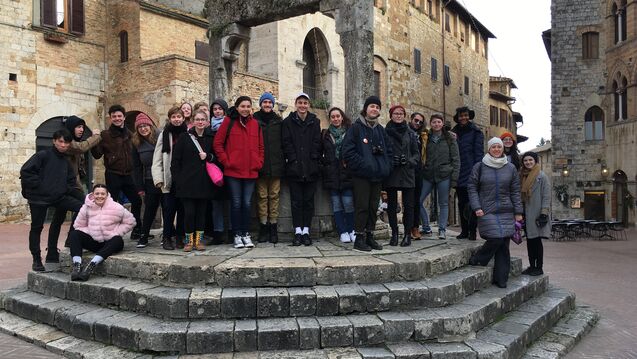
(565, 172)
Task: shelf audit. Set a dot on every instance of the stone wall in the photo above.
(161, 35)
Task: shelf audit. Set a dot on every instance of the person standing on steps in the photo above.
(269, 182)
(471, 148)
(99, 227)
(47, 180)
(171, 206)
(494, 195)
(536, 198)
(186, 109)
(406, 157)
(239, 148)
(117, 148)
(144, 141)
(301, 136)
(511, 149)
(336, 177)
(417, 124)
(367, 153)
(441, 167)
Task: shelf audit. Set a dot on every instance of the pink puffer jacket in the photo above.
(106, 222)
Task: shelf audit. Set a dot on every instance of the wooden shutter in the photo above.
(48, 13)
(434, 69)
(447, 76)
(417, 62)
(202, 50)
(76, 17)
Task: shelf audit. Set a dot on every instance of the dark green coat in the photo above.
(273, 162)
(443, 160)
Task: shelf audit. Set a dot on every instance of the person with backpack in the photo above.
(494, 194)
(336, 178)
(406, 157)
(269, 182)
(440, 170)
(367, 153)
(301, 137)
(239, 148)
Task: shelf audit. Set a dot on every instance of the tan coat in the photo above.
(75, 155)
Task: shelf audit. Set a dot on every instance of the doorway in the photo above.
(594, 207)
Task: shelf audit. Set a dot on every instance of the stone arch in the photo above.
(315, 52)
(619, 69)
(620, 196)
(57, 109)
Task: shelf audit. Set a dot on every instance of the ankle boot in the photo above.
(361, 243)
(264, 232)
(197, 245)
(75, 272)
(371, 242)
(189, 242)
(37, 265)
(394, 238)
(86, 273)
(406, 242)
(274, 233)
(168, 244)
(179, 242)
(217, 238)
(415, 234)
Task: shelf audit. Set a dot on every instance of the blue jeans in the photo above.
(443, 202)
(343, 208)
(217, 215)
(240, 201)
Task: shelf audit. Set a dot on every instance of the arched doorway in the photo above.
(315, 73)
(621, 197)
(130, 120)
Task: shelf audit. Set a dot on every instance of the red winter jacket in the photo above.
(242, 154)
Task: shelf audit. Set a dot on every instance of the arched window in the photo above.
(316, 79)
(619, 19)
(594, 124)
(309, 71)
(123, 46)
(621, 102)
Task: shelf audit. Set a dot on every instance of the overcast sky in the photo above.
(518, 53)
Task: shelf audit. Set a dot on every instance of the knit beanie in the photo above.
(143, 119)
(371, 100)
(507, 134)
(267, 96)
(221, 102)
(395, 107)
(531, 154)
(493, 141)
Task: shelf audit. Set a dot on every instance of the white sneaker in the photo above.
(442, 235)
(247, 241)
(345, 237)
(238, 243)
(352, 236)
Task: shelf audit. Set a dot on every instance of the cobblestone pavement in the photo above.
(602, 274)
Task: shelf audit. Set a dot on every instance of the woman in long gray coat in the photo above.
(536, 196)
(494, 196)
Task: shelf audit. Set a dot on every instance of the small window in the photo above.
(377, 83)
(504, 118)
(590, 45)
(476, 41)
(481, 92)
(430, 8)
(447, 23)
(447, 76)
(202, 51)
(466, 85)
(63, 15)
(434, 69)
(417, 62)
(123, 46)
(493, 116)
(594, 124)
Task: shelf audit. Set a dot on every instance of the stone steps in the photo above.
(211, 302)
(137, 332)
(506, 338)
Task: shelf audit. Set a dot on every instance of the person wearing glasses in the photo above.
(511, 149)
(417, 124)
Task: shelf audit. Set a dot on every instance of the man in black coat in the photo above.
(47, 180)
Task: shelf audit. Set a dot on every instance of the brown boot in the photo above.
(415, 233)
(189, 242)
(198, 246)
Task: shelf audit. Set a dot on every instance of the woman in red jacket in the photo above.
(239, 147)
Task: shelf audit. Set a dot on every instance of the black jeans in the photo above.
(152, 199)
(195, 214)
(498, 247)
(80, 240)
(118, 183)
(536, 252)
(302, 202)
(60, 215)
(171, 207)
(408, 208)
(417, 204)
(469, 224)
(366, 200)
(38, 215)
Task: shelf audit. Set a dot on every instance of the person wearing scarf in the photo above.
(494, 197)
(170, 205)
(511, 148)
(536, 197)
(336, 177)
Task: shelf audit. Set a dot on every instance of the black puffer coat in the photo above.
(404, 144)
(302, 147)
(335, 175)
(46, 177)
(358, 151)
(188, 170)
(273, 160)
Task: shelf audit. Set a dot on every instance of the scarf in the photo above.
(215, 123)
(371, 122)
(494, 162)
(527, 179)
(396, 130)
(435, 137)
(175, 131)
(424, 137)
(338, 134)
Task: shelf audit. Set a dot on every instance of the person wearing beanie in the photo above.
(471, 148)
(417, 124)
(536, 198)
(368, 156)
(144, 140)
(239, 148)
(171, 207)
(301, 141)
(511, 148)
(494, 195)
(404, 144)
(117, 148)
(269, 181)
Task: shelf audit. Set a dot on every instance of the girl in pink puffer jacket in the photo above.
(99, 227)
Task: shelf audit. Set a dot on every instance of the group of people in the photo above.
(355, 160)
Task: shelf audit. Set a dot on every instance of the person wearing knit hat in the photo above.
(142, 119)
(269, 181)
(395, 107)
(471, 148)
(368, 155)
(494, 195)
(536, 197)
(511, 148)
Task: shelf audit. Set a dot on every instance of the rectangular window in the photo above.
(447, 23)
(493, 116)
(588, 130)
(481, 93)
(466, 85)
(202, 51)
(434, 69)
(430, 8)
(63, 15)
(504, 118)
(417, 62)
(377, 83)
(447, 76)
(590, 45)
(476, 41)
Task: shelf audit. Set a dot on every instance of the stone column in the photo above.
(218, 76)
(355, 25)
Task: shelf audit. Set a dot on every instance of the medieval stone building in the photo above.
(592, 47)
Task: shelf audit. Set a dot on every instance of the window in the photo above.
(63, 15)
(590, 45)
(619, 20)
(494, 120)
(377, 83)
(202, 51)
(504, 118)
(430, 8)
(481, 93)
(447, 23)
(417, 63)
(621, 102)
(594, 124)
(447, 76)
(466, 85)
(123, 46)
(434, 69)
(476, 41)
